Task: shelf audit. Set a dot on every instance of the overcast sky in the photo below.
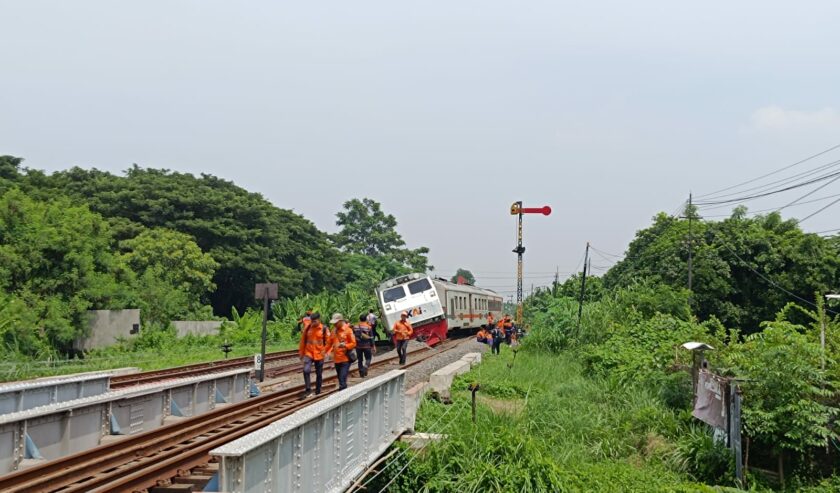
(444, 111)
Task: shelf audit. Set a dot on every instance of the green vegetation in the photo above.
(545, 426)
(730, 258)
(604, 403)
(177, 247)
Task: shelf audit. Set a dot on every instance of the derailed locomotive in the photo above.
(435, 306)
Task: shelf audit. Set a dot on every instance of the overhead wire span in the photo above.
(772, 173)
(809, 216)
(772, 192)
(773, 209)
(809, 193)
(782, 181)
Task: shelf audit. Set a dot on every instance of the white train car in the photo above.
(436, 306)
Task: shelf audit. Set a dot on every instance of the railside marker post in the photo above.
(265, 292)
(473, 388)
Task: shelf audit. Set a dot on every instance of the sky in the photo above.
(445, 112)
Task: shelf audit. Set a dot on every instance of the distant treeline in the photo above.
(173, 244)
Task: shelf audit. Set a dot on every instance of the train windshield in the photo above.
(393, 294)
(419, 286)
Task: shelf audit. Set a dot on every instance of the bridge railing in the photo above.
(322, 447)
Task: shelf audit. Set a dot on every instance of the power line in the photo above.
(772, 173)
(772, 209)
(780, 182)
(818, 211)
(773, 192)
(809, 193)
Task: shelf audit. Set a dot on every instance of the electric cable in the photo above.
(780, 182)
(809, 216)
(773, 172)
(772, 192)
(773, 209)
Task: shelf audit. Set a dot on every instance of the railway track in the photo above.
(146, 460)
(121, 381)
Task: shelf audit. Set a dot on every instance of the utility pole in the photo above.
(582, 285)
(556, 281)
(690, 214)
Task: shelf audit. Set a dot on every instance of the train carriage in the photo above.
(435, 306)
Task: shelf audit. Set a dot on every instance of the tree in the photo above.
(742, 266)
(250, 239)
(180, 261)
(467, 275)
(57, 259)
(367, 230)
(175, 276)
(788, 398)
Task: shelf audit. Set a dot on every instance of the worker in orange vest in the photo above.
(303, 322)
(313, 349)
(402, 333)
(342, 343)
(508, 326)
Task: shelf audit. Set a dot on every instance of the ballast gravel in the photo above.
(420, 372)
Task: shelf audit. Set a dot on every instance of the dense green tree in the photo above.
(571, 287)
(367, 230)
(178, 258)
(250, 239)
(742, 266)
(175, 276)
(468, 276)
(57, 258)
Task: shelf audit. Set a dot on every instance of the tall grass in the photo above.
(564, 431)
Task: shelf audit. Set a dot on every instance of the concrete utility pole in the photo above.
(690, 214)
(582, 285)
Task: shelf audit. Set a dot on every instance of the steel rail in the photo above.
(120, 381)
(142, 461)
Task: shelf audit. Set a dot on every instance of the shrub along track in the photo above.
(157, 457)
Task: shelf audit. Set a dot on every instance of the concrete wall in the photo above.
(106, 326)
(199, 328)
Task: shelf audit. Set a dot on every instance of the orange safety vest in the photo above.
(345, 335)
(403, 330)
(314, 342)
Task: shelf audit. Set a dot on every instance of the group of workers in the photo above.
(346, 343)
(493, 333)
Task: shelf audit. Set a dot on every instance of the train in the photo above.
(436, 306)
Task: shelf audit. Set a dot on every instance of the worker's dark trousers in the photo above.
(342, 369)
(496, 344)
(364, 356)
(319, 373)
(402, 348)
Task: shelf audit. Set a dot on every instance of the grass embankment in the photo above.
(165, 357)
(543, 425)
